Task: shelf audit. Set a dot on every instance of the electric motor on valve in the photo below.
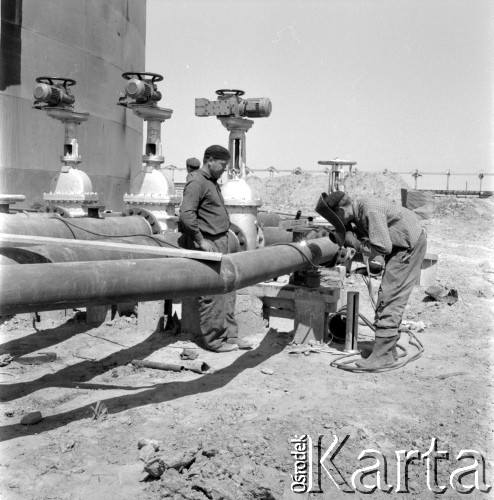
(53, 94)
(256, 107)
(230, 103)
(142, 91)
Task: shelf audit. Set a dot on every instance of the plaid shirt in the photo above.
(386, 224)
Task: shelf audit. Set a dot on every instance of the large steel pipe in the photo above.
(37, 254)
(84, 228)
(273, 235)
(45, 287)
(49, 254)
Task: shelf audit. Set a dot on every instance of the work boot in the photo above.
(242, 344)
(382, 355)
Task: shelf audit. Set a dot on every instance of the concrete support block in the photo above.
(47, 319)
(249, 314)
(97, 315)
(190, 317)
(127, 308)
(310, 319)
(151, 316)
(59, 315)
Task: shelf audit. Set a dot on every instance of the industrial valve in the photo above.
(71, 190)
(152, 192)
(230, 103)
(240, 199)
(141, 89)
(53, 92)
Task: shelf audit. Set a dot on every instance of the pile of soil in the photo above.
(382, 184)
(289, 193)
(465, 209)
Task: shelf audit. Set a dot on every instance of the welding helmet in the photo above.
(325, 206)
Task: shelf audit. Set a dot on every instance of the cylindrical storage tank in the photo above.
(242, 202)
(92, 42)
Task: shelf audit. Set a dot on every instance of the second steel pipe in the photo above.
(45, 287)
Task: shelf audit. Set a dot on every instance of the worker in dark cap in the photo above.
(205, 221)
(378, 226)
(192, 165)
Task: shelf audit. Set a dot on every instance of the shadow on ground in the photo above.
(155, 394)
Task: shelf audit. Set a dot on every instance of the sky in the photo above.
(396, 85)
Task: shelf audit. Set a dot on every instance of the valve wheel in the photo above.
(50, 80)
(154, 77)
(230, 92)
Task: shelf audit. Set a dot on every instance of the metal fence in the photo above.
(415, 174)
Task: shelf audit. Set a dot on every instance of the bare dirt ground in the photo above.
(226, 434)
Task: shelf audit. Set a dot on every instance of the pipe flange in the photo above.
(149, 216)
(240, 235)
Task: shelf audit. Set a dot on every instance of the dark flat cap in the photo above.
(217, 153)
(193, 163)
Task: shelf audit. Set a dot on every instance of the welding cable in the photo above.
(342, 312)
(366, 322)
(150, 236)
(343, 362)
(65, 222)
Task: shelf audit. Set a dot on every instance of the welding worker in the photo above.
(205, 221)
(192, 165)
(381, 227)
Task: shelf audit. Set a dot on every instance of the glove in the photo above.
(376, 265)
(352, 241)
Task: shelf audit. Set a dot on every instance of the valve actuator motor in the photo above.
(53, 92)
(230, 103)
(140, 89)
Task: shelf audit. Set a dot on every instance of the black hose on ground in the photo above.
(343, 362)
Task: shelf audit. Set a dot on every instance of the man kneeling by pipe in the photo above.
(395, 232)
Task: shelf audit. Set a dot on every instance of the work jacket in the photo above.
(203, 212)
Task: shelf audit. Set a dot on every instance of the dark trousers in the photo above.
(216, 313)
(401, 273)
